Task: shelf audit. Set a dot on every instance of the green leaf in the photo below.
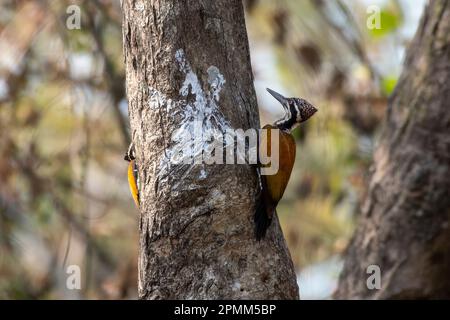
(390, 20)
(388, 84)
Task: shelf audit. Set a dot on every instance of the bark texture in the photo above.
(404, 227)
(188, 66)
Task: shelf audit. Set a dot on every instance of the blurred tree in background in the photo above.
(403, 228)
(64, 198)
(63, 195)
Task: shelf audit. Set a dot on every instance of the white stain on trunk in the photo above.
(201, 126)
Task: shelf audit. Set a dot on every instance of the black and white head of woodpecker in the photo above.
(297, 111)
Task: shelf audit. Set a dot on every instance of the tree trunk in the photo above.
(188, 67)
(404, 227)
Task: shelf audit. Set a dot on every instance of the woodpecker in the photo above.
(133, 178)
(297, 110)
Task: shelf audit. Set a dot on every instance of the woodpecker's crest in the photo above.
(297, 111)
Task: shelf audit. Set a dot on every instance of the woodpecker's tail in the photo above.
(265, 210)
(262, 217)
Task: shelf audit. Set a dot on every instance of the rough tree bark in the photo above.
(404, 227)
(188, 66)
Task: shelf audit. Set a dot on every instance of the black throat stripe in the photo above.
(289, 123)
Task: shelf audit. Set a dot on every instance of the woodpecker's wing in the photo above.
(273, 186)
(277, 183)
(132, 181)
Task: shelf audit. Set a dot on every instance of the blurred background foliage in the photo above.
(64, 198)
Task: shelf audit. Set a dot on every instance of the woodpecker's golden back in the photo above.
(133, 176)
(273, 186)
(132, 181)
(277, 183)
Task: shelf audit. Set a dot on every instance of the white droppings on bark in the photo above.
(202, 123)
(203, 174)
(209, 275)
(236, 286)
(139, 6)
(216, 82)
(158, 100)
(217, 197)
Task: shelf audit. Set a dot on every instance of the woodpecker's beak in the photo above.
(279, 97)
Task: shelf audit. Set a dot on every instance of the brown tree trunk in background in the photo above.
(188, 66)
(404, 227)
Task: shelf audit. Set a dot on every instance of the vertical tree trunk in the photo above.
(404, 226)
(188, 67)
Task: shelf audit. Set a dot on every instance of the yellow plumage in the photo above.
(132, 181)
(276, 184)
